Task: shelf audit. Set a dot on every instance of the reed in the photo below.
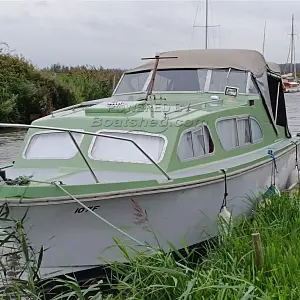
(228, 271)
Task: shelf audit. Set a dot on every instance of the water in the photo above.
(293, 111)
(11, 140)
(10, 143)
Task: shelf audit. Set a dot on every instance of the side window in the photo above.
(55, 145)
(195, 143)
(227, 133)
(108, 149)
(255, 130)
(238, 132)
(243, 128)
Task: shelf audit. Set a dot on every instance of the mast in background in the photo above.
(292, 46)
(291, 61)
(206, 24)
(264, 38)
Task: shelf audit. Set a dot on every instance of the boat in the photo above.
(184, 136)
(290, 80)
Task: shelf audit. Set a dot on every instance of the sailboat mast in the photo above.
(264, 38)
(292, 45)
(206, 24)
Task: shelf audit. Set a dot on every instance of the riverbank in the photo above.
(229, 271)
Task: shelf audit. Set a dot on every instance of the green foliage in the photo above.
(85, 82)
(25, 90)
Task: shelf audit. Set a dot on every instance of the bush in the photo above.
(86, 82)
(25, 90)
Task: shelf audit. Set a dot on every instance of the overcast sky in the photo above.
(118, 33)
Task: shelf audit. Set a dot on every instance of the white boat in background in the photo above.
(290, 84)
(290, 81)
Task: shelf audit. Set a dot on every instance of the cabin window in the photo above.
(255, 130)
(177, 80)
(228, 77)
(238, 132)
(52, 145)
(114, 150)
(195, 143)
(131, 83)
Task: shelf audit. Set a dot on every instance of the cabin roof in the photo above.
(193, 106)
(240, 59)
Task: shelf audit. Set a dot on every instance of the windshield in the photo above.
(132, 83)
(180, 80)
(225, 77)
(188, 80)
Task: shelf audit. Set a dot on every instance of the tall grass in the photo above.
(227, 271)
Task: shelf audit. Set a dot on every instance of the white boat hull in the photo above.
(76, 239)
(292, 90)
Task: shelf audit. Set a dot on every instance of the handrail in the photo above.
(83, 156)
(87, 133)
(196, 104)
(5, 167)
(79, 105)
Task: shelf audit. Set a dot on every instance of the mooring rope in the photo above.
(296, 146)
(274, 169)
(224, 202)
(96, 215)
(296, 161)
(88, 209)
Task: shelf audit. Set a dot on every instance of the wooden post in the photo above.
(151, 84)
(257, 246)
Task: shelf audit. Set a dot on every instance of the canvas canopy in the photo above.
(274, 67)
(277, 100)
(266, 75)
(240, 59)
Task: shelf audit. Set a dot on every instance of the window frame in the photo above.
(191, 129)
(46, 132)
(261, 130)
(144, 89)
(205, 88)
(208, 81)
(107, 131)
(197, 71)
(240, 117)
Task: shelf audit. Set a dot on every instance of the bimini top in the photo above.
(240, 59)
(274, 67)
